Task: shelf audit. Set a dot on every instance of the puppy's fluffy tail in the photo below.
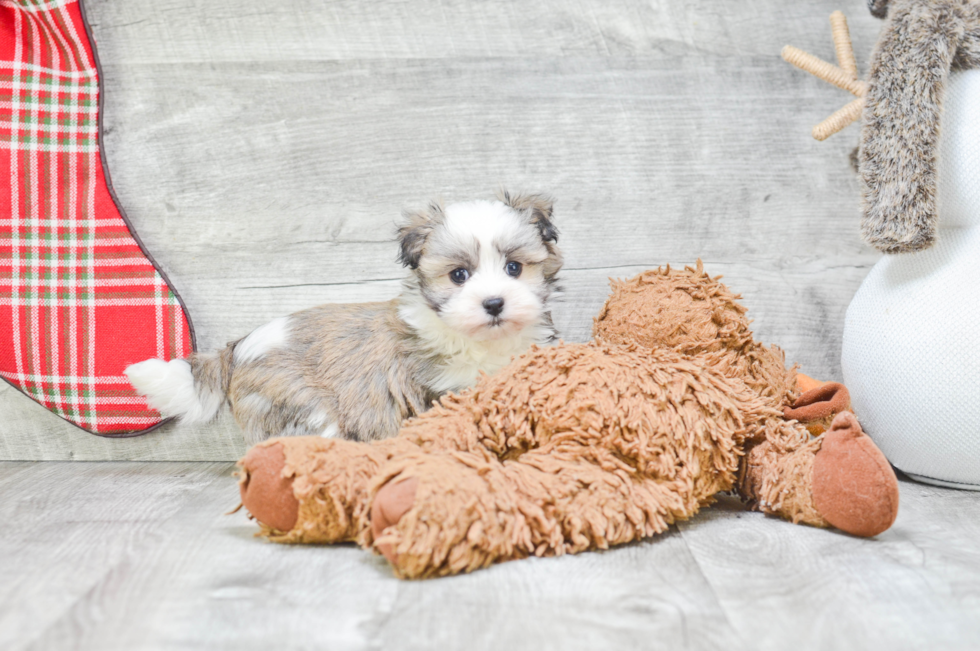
(191, 389)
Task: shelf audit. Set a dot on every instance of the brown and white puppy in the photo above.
(482, 275)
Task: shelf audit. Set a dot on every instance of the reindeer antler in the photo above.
(844, 76)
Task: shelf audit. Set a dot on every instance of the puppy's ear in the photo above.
(416, 227)
(539, 209)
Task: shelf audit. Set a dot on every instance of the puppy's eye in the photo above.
(514, 269)
(459, 276)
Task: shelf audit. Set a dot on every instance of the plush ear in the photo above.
(416, 227)
(878, 8)
(539, 208)
(902, 114)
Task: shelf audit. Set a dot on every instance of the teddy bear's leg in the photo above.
(312, 489)
(445, 513)
(775, 476)
(840, 479)
(854, 486)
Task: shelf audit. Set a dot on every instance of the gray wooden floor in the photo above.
(130, 555)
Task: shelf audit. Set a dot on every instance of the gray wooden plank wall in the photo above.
(264, 150)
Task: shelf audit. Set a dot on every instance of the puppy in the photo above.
(482, 274)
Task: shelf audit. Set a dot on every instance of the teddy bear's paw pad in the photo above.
(854, 486)
(393, 500)
(266, 493)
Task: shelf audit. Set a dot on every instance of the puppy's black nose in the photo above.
(494, 306)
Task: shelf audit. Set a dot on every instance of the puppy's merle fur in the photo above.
(481, 277)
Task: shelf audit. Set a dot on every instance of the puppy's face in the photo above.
(487, 268)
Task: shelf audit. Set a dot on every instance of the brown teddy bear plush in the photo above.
(584, 446)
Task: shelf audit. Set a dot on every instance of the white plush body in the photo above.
(910, 354)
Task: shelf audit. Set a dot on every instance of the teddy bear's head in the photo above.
(687, 311)
(691, 313)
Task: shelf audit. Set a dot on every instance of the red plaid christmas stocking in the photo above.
(79, 297)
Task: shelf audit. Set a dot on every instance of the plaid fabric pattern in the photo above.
(79, 300)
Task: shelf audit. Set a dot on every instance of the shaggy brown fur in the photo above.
(921, 41)
(578, 446)
(645, 310)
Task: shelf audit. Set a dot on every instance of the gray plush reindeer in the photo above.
(901, 105)
(921, 42)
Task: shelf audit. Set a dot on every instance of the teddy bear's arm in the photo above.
(310, 489)
(470, 510)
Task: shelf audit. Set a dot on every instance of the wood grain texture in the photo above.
(125, 556)
(179, 31)
(70, 529)
(264, 155)
(913, 587)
